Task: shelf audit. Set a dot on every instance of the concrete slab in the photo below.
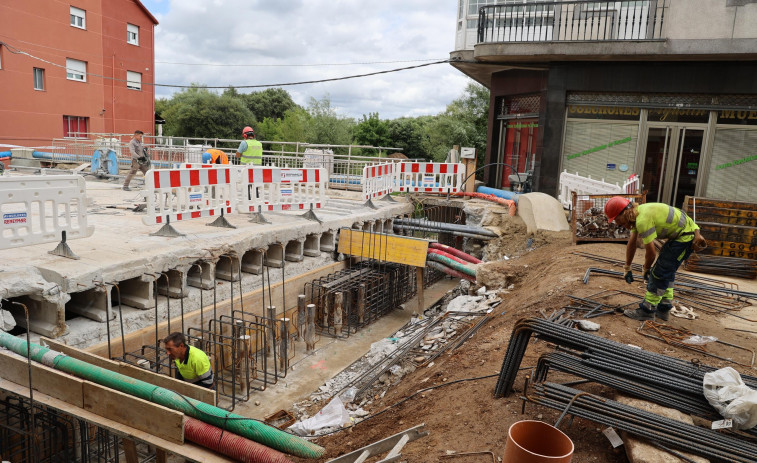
(542, 212)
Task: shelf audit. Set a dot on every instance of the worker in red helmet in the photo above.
(250, 151)
(650, 221)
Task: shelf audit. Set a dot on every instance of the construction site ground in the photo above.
(465, 417)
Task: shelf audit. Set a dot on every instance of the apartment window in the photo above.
(39, 79)
(132, 34)
(133, 80)
(76, 70)
(78, 18)
(75, 126)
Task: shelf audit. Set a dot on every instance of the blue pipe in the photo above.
(499, 193)
(5, 154)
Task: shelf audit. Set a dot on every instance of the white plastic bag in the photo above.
(733, 399)
(697, 340)
(332, 415)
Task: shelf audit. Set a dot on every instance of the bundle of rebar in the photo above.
(676, 434)
(720, 265)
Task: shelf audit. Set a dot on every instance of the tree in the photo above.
(271, 102)
(409, 134)
(198, 112)
(326, 126)
(294, 126)
(372, 131)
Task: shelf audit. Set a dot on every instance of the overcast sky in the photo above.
(276, 32)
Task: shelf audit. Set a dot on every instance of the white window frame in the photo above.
(132, 29)
(76, 70)
(39, 84)
(78, 13)
(133, 80)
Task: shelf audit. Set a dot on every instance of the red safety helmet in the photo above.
(615, 206)
(247, 131)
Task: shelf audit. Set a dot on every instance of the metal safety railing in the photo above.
(573, 20)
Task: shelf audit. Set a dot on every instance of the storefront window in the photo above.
(733, 167)
(600, 150)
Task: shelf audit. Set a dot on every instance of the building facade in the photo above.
(665, 89)
(70, 68)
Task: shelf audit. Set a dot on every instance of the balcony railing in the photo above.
(572, 20)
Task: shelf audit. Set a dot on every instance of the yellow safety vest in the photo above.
(196, 369)
(253, 154)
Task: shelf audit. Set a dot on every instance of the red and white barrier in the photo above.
(429, 177)
(378, 180)
(37, 209)
(183, 194)
(277, 189)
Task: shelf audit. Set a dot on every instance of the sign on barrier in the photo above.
(276, 189)
(38, 209)
(429, 177)
(183, 194)
(378, 180)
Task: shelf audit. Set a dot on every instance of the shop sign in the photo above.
(730, 116)
(736, 162)
(600, 148)
(604, 112)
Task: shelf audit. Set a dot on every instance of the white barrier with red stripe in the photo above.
(277, 189)
(429, 177)
(378, 180)
(185, 194)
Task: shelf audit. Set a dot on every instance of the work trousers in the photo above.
(135, 166)
(663, 273)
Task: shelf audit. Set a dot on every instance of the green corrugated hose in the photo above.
(237, 424)
(453, 264)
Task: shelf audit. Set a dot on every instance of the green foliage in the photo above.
(372, 131)
(409, 134)
(198, 112)
(326, 126)
(270, 103)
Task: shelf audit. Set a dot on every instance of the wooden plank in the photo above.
(67, 388)
(380, 246)
(130, 451)
(190, 451)
(253, 302)
(135, 412)
(719, 203)
(190, 390)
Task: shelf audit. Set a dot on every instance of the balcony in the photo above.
(572, 21)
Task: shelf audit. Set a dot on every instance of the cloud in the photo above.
(315, 31)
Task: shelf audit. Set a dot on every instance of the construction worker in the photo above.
(192, 364)
(650, 221)
(139, 158)
(214, 156)
(250, 151)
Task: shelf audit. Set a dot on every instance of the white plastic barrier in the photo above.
(276, 189)
(429, 177)
(184, 194)
(378, 180)
(632, 186)
(37, 209)
(583, 186)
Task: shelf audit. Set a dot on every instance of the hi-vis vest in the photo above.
(253, 154)
(196, 370)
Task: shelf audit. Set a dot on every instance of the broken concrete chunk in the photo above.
(7, 322)
(587, 325)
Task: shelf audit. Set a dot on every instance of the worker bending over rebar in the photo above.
(192, 364)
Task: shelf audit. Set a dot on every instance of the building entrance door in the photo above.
(671, 162)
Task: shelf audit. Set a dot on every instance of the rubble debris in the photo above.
(593, 224)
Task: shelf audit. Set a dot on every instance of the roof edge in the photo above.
(146, 11)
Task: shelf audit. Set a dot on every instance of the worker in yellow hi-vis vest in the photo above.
(250, 151)
(192, 364)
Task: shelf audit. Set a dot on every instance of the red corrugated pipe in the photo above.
(455, 252)
(505, 202)
(230, 444)
(450, 271)
(446, 254)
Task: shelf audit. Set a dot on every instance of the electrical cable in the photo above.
(300, 65)
(18, 51)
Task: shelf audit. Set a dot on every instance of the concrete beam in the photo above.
(201, 274)
(45, 317)
(252, 261)
(175, 285)
(138, 292)
(294, 251)
(93, 303)
(312, 245)
(328, 239)
(227, 268)
(274, 256)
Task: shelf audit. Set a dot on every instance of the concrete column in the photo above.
(310, 328)
(176, 286)
(328, 241)
(200, 274)
(45, 317)
(94, 303)
(301, 317)
(274, 256)
(138, 292)
(294, 251)
(252, 261)
(389, 226)
(338, 307)
(312, 245)
(227, 268)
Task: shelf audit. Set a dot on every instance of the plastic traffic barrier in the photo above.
(583, 186)
(41, 209)
(378, 180)
(429, 177)
(276, 189)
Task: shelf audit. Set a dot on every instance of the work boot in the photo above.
(126, 188)
(640, 314)
(663, 311)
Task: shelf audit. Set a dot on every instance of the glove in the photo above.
(628, 274)
(646, 273)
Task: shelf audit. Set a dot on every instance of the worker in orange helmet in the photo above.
(214, 156)
(250, 151)
(650, 221)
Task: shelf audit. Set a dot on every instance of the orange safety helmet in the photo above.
(247, 131)
(615, 206)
